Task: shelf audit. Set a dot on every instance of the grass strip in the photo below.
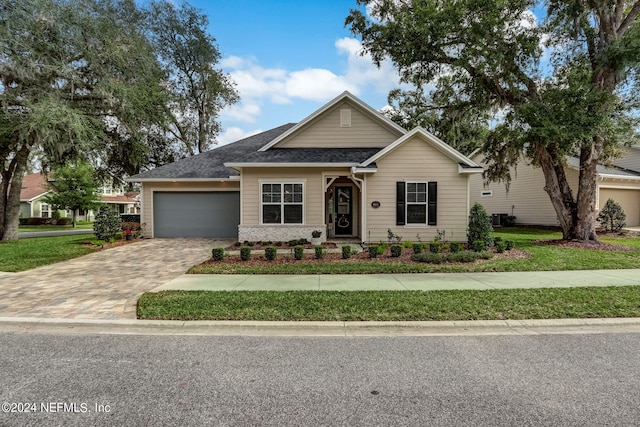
(25, 254)
(547, 303)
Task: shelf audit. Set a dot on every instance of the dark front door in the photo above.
(343, 218)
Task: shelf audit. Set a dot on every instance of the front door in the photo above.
(343, 218)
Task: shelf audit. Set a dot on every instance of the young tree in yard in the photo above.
(74, 188)
(198, 89)
(490, 53)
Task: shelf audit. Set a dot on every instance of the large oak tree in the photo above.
(491, 54)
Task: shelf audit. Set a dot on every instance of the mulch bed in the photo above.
(258, 259)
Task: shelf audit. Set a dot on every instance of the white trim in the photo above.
(618, 187)
(343, 96)
(425, 203)
(290, 165)
(182, 179)
(619, 177)
(356, 169)
(462, 170)
(283, 181)
(430, 138)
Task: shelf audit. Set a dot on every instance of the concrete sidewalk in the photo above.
(399, 282)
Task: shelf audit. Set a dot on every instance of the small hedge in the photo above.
(298, 252)
(439, 258)
(320, 252)
(417, 248)
(396, 250)
(373, 251)
(434, 247)
(346, 252)
(64, 221)
(270, 253)
(245, 253)
(217, 254)
(456, 247)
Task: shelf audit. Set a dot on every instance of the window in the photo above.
(282, 203)
(106, 189)
(45, 211)
(416, 203)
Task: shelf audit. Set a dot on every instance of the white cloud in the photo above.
(258, 85)
(234, 134)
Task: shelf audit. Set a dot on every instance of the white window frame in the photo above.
(425, 203)
(43, 210)
(282, 202)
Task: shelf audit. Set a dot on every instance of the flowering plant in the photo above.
(128, 232)
(316, 233)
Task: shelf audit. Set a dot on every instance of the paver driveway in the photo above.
(101, 285)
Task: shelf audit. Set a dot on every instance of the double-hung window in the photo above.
(282, 203)
(416, 202)
(45, 211)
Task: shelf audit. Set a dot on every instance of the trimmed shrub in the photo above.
(298, 242)
(217, 254)
(346, 252)
(508, 245)
(434, 247)
(298, 252)
(319, 252)
(373, 251)
(23, 221)
(500, 247)
(456, 247)
(612, 217)
(64, 221)
(480, 228)
(497, 239)
(396, 250)
(417, 248)
(270, 253)
(245, 253)
(107, 224)
(478, 245)
(509, 221)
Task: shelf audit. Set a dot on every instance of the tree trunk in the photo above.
(558, 189)
(586, 218)
(10, 203)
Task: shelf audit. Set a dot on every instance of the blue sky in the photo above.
(289, 58)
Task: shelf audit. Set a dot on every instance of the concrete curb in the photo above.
(318, 329)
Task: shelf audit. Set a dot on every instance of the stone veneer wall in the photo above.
(279, 233)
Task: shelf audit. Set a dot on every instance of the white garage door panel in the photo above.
(196, 214)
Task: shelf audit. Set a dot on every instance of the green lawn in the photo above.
(24, 254)
(556, 303)
(543, 257)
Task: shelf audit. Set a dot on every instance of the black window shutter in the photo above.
(432, 203)
(400, 203)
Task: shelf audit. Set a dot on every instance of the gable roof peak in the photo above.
(346, 95)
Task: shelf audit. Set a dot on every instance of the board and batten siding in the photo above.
(526, 198)
(148, 188)
(416, 161)
(325, 131)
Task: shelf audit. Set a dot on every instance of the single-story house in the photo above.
(530, 204)
(35, 186)
(345, 170)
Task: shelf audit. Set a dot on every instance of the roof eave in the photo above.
(290, 165)
(182, 179)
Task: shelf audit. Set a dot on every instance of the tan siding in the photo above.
(628, 199)
(526, 198)
(402, 165)
(313, 191)
(148, 188)
(325, 131)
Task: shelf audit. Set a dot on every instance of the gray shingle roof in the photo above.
(605, 170)
(210, 164)
(309, 155)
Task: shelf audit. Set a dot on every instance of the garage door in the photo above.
(629, 200)
(196, 214)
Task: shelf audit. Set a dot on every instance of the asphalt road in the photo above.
(554, 380)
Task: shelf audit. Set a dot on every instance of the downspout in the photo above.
(363, 211)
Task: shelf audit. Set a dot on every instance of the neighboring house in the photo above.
(345, 170)
(35, 186)
(530, 204)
